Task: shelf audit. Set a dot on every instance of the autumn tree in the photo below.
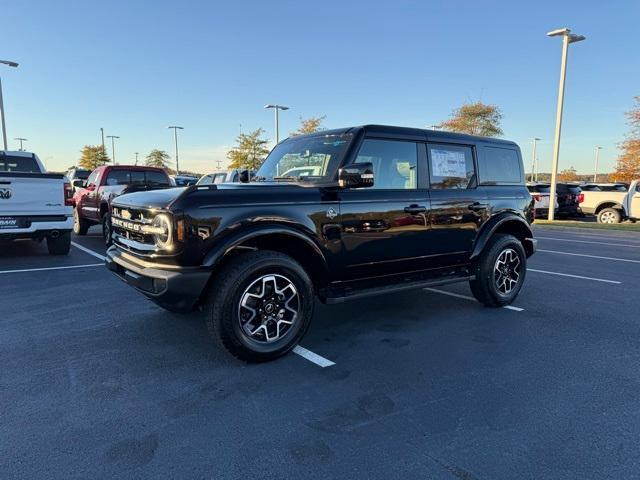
(309, 125)
(476, 119)
(158, 158)
(250, 151)
(568, 175)
(628, 164)
(92, 156)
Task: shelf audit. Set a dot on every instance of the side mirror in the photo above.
(79, 183)
(243, 176)
(356, 175)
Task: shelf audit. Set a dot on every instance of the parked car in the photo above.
(230, 176)
(77, 177)
(541, 194)
(612, 206)
(33, 203)
(106, 183)
(390, 209)
(604, 187)
(183, 180)
(567, 196)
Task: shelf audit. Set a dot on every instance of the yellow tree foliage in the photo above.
(568, 175)
(628, 164)
(308, 125)
(158, 158)
(250, 151)
(475, 119)
(92, 156)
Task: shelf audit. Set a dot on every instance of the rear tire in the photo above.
(59, 245)
(106, 229)
(260, 305)
(609, 216)
(499, 271)
(80, 225)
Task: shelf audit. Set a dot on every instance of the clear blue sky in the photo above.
(136, 67)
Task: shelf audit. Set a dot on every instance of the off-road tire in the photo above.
(80, 225)
(106, 229)
(59, 245)
(609, 216)
(484, 286)
(222, 305)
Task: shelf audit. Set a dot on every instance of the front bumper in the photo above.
(176, 289)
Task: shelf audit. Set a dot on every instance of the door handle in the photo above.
(415, 209)
(476, 206)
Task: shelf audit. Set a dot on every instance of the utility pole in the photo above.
(21, 140)
(595, 172)
(113, 148)
(533, 157)
(136, 158)
(175, 134)
(4, 123)
(567, 38)
(218, 162)
(276, 108)
(102, 133)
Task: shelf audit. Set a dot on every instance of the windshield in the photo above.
(305, 159)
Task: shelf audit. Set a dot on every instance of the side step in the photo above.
(332, 297)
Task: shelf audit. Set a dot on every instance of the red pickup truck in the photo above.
(93, 198)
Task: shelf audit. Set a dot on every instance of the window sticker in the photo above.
(448, 163)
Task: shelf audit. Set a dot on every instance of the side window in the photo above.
(92, 180)
(499, 165)
(451, 166)
(219, 178)
(395, 163)
(118, 177)
(206, 180)
(137, 176)
(157, 178)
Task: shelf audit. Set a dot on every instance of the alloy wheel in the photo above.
(506, 271)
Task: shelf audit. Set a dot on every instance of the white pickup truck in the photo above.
(33, 203)
(612, 205)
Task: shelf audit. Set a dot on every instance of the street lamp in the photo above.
(595, 172)
(113, 148)
(136, 158)
(567, 38)
(533, 157)
(21, 140)
(4, 125)
(175, 134)
(277, 107)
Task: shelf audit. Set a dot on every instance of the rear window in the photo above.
(118, 177)
(11, 163)
(157, 179)
(81, 174)
(499, 166)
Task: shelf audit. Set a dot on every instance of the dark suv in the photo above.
(381, 209)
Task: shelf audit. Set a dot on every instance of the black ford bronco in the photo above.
(338, 215)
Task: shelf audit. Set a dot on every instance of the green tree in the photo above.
(628, 164)
(158, 158)
(250, 151)
(92, 156)
(476, 119)
(309, 125)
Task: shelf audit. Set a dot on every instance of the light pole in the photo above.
(175, 135)
(533, 157)
(595, 172)
(4, 124)
(102, 133)
(567, 38)
(136, 158)
(277, 107)
(113, 148)
(21, 140)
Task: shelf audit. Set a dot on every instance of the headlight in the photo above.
(162, 232)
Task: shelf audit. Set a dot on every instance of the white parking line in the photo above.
(574, 276)
(52, 268)
(312, 357)
(466, 297)
(590, 256)
(589, 241)
(86, 250)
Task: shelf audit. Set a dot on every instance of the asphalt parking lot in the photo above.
(98, 382)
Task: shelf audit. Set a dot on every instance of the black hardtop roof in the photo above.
(436, 135)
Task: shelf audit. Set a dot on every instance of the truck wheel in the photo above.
(609, 215)
(106, 229)
(80, 225)
(59, 245)
(260, 305)
(499, 271)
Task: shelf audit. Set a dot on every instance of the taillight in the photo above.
(68, 195)
(580, 197)
(536, 197)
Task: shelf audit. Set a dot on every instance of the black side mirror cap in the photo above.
(356, 175)
(79, 183)
(243, 176)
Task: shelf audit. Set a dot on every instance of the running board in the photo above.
(341, 297)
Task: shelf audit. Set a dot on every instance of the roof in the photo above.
(17, 153)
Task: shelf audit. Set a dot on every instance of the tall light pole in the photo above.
(175, 135)
(276, 108)
(567, 38)
(595, 171)
(533, 157)
(21, 140)
(4, 123)
(136, 158)
(113, 148)
(102, 133)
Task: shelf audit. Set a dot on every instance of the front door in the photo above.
(384, 228)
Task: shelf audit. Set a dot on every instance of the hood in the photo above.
(149, 199)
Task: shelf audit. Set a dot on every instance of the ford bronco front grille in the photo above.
(131, 227)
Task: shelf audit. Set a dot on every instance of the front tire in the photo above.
(106, 229)
(609, 216)
(260, 305)
(499, 271)
(59, 245)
